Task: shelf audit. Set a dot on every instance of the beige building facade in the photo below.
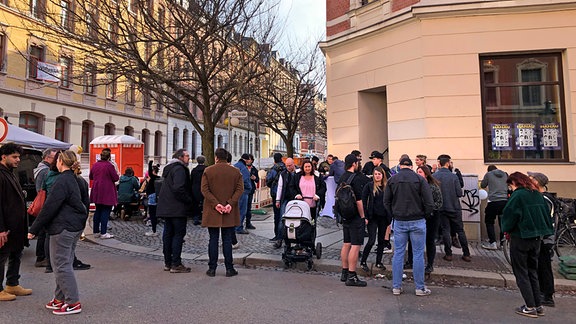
(487, 82)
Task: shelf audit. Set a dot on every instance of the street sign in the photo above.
(3, 129)
(238, 114)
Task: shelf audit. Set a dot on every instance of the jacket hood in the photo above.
(41, 166)
(499, 173)
(125, 178)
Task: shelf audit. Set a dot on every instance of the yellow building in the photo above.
(487, 82)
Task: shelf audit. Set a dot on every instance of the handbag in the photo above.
(37, 204)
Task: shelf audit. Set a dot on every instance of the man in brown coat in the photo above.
(222, 187)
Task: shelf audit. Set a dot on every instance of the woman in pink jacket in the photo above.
(103, 194)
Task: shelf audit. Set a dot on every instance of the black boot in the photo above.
(354, 281)
(344, 275)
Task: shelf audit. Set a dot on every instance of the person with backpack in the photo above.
(408, 199)
(545, 274)
(272, 182)
(350, 210)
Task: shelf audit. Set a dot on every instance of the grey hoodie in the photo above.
(40, 174)
(496, 181)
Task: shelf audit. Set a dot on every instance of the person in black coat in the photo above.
(196, 176)
(377, 216)
(255, 180)
(295, 188)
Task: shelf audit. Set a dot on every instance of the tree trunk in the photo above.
(289, 145)
(208, 142)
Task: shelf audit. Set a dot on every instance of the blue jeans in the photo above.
(101, 215)
(416, 231)
(242, 205)
(280, 225)
(226, 246)
(173, 239)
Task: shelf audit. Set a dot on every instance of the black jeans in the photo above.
(277, 221)
(13, 257)
(524, 256)
(545, 274)
(453, 220)
(214, 233)
(432, 225)
(493, 209)
(376, 229)
(40, 240)
(173, 239)
(249, 209)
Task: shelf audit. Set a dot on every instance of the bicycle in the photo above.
(564, 232)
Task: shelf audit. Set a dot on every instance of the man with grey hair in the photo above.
(282, 196)
(40, 173)
(197, 197)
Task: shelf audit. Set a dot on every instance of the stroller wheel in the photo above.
(310, 264)
(318, 250)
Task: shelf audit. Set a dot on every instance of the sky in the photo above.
(305, 21)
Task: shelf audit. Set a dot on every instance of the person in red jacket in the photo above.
(103, 193)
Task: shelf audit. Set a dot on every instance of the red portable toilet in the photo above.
(127, 151)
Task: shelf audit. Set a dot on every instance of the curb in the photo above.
(443, 275)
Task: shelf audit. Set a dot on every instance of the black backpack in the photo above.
(272, 181)
(345, 201)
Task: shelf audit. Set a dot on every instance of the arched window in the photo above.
(129, 130)
(62, 129)
(235, 144)
(193, 151)
(240, 142)
(220, 141)
(145, 140)
(29, 122)
(109, 129)
(185, 139)
(158, 143)
(175, 136)
(87, 134)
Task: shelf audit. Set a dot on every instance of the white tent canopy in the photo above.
(115, 139)
(25, 137)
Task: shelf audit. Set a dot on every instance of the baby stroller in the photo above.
(299, 235)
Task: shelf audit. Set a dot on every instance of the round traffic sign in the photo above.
(3, 129)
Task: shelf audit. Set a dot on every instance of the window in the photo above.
(193, 145)
(61, 131)
(90, 79)
(91, 19)
(235, 144)
(133, 6)
(113, 31)
(524, 117)
(146, 140)
(111, 86)
(3, 52)
(146, 99)
(109, 129)
(185, 139)
(129, 130)
(66, 74)
(87, 133)
(130, 93)
(175, 136)
(220, 142)
(36, 55)
(158, 143)
(29, 122)
(38, 8)
(66, 14)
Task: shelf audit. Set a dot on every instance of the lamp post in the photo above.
(232, 120)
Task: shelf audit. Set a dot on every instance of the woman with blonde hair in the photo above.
(377, 217)
(64, 216)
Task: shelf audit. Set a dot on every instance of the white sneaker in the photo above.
(490, 246)
(96, 235)
(106, 236)
(388, 251)
(235, 246)
(423, 292)
(396, 291)
(151, 234)
(148, 223)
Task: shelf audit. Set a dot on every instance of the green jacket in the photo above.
(526, 215)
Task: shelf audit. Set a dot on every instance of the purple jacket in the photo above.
(104, 176)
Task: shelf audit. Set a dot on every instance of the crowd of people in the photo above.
(417, 204)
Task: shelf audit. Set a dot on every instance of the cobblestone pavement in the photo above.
(196, 242)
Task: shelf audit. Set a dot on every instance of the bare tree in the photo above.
(284, 96)
(186, 54)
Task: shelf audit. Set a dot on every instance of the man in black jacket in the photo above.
(255, 180)
(13, 227)
(175, 206)
(408, 198)
(196, 176)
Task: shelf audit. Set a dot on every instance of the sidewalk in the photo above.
(488, 268)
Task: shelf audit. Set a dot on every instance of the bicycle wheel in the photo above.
(506, 250)
(566, 241)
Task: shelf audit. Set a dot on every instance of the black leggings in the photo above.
(376, 229)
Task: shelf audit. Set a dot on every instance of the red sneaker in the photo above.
(55, 304)
(68, 309)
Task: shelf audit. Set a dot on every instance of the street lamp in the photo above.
(231, 121)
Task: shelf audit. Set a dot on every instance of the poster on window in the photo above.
(551, 136)
(525, 136)
(501, 137)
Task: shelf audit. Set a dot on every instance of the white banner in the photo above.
(48, 72)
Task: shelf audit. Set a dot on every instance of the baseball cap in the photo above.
(350, 158)
(541, 178)
(406, 162)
